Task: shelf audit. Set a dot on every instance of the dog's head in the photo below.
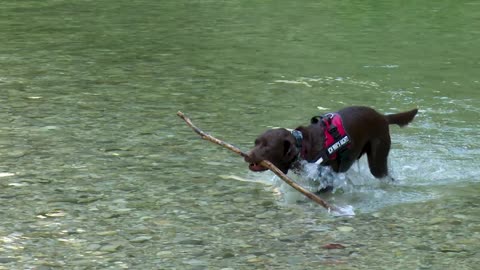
(276, 146)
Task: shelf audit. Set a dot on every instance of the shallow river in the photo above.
(98, 172)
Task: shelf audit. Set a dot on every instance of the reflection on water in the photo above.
(96, 171)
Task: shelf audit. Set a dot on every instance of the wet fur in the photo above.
(368, 131)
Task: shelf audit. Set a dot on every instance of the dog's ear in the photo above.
(289, 149)
(315, 119)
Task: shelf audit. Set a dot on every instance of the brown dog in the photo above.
(335, 139)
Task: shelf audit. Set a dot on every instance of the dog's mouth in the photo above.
(256, 167)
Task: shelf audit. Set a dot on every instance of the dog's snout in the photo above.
(250, 156)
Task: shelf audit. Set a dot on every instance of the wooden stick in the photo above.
(264, 163)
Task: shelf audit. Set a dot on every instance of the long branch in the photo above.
(264, 163)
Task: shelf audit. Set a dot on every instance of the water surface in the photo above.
(98, 172)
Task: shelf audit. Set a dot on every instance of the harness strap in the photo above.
(336, 141)
(298, 138)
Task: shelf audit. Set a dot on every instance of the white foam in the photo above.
(343, 211)
(5, 174)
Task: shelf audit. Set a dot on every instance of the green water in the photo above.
(97, 172)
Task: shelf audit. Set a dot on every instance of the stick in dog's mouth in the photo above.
(257, 167)
(263, 164)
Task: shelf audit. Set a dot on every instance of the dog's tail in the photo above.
(401, 119)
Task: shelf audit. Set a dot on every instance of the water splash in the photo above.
(343, 211)
(319, 177)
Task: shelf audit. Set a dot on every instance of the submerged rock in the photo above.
(141, 239)
(111, 247)
(451, 248)
(164, 253)
(93, 247)
(7, 260)
(437, 220)
(194, 262)
(191, 242)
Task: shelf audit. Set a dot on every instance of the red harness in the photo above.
(336, 138)
(336, 141)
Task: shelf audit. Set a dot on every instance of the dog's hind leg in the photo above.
(378, 156)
